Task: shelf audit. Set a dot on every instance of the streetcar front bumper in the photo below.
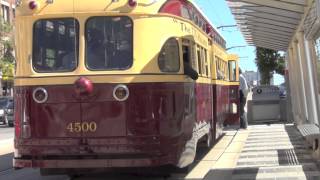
(91, 163)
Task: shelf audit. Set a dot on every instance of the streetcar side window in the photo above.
(185, 12)
(220, 68)
(169, 59)
(55, 45)
(206, 63)
(199, 60)
(232, 70)
(109, 43)
(227, 74)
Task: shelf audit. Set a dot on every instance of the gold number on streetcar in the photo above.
(82, 127)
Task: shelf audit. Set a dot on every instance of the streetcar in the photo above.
(118, 83)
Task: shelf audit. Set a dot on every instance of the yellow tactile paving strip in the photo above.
(223, 155)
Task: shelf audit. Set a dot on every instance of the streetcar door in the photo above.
(189, 89)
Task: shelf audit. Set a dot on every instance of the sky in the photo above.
(220, 15)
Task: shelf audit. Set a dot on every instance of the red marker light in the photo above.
(83, 86)
(132, 3)
(33, 5)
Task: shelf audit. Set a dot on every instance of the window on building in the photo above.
(5, 13)
(61, 54)
(109, 43)
(169, 59)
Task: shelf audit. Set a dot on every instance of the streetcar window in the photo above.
(199, 60)
(206, 63)
(203, 62)
(55, 45)
(185, 12)
(109, 43)
(169, 59)
(232, 70)
(220, 68)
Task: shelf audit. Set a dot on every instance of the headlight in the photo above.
(1, 111)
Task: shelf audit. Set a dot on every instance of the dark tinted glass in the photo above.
(109, 43)
(55, 45)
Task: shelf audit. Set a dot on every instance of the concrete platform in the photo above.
(265, 152)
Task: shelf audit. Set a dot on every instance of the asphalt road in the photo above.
(8, 173)
(6, 132)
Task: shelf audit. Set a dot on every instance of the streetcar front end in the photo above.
(89, 94)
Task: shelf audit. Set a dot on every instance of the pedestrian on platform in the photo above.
(243, 99)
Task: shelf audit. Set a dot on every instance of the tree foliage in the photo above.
(7, 59)
(269, 61)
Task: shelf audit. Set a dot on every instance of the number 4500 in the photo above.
(82, 127)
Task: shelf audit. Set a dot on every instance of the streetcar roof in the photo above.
(206, 18)
(83, 6)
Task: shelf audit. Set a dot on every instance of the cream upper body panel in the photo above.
(150, 31)
(85, 6)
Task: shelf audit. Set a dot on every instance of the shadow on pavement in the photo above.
(6, 162)
(228, 174)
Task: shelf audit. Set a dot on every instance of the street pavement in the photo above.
(222, 155)
(8, 173)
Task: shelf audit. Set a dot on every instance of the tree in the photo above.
(268, 62)
(7, 59)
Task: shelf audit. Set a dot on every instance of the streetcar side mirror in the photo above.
(189, 71)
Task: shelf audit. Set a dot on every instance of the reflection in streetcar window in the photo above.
(109, 43)
(60, 55)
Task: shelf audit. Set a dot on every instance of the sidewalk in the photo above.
(223, 155)
(276, 152)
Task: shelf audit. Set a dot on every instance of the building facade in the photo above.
(8, 10)
(7, 15)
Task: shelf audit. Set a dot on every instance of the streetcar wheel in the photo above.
(74, 176)
(185, 170)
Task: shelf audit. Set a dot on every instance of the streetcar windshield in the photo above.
(55, 45)
(109, 43)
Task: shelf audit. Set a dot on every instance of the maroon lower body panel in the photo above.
(150, 128)
(69, 130)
